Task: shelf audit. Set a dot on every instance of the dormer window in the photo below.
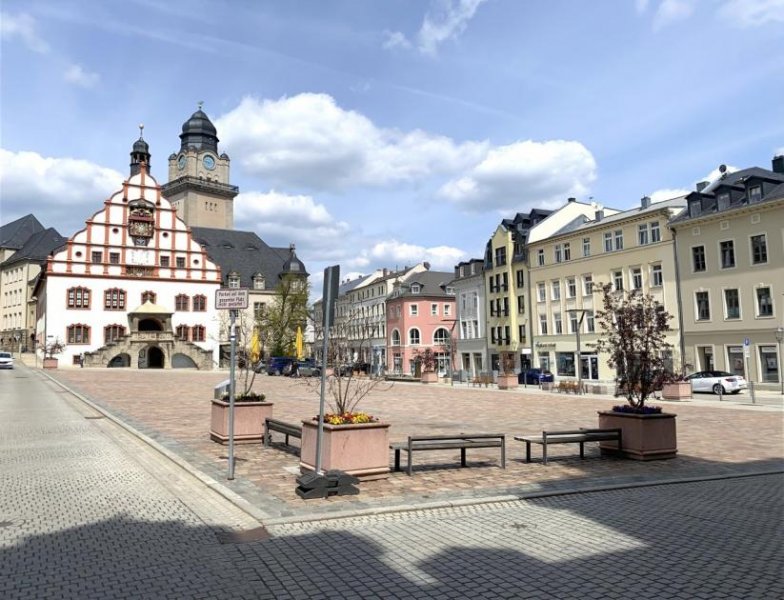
(416, 288)
(258, 281)
(755, 193)
(695, 208)
(234, 280)
(724, 201)
(450, 290)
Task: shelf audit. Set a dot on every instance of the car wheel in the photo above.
(719, 389)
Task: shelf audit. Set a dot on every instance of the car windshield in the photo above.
(5, 355)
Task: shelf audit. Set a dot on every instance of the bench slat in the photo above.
(449, 442)
(574, 436)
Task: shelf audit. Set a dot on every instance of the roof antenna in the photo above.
(200, 103)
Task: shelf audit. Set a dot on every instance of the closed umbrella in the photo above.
(298, 343)
(255, 347)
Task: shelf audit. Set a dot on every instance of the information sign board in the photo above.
(231, 299)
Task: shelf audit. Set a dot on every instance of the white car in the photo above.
(717, 382)
(6, 360)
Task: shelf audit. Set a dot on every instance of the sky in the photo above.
(382, 133)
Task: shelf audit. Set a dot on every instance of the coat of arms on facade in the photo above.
(140, 222)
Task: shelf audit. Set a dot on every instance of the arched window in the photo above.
(149, 295)
(112, 333)
(78, 297)
(181, 302)
(182, 332)
(197, 333)
(200, 303)
(395, 337)
(78, 334)
(440, 336)
(413, 337)
(114, 299)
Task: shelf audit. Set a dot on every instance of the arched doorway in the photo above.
(121, 360)
(155, 358)
(183, 361)
(150, 325)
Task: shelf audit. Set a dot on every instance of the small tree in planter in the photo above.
(51, 349)
(507, 378)
(427, 360)
(633, 328)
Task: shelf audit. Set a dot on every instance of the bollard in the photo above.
(751, 387)
(721, 393)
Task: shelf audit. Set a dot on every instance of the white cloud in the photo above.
(395, 39)
(22, 26)
(641, 5)
(524, 175)
(392, 253)
(670, 11)
(281, 219)
(309, 141)
(779, 151)
(667, 194)
(447, 21)
(65, 190)
(77, 75)
(751, 13)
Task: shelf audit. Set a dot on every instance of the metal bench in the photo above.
(288, 429)
(462, 441)
(574, 436)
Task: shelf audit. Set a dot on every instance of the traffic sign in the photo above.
(231, 299)
(747, 342)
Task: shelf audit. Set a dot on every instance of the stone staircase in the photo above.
(131, 343)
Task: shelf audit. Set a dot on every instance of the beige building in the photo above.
(632, 249)
(730, 252)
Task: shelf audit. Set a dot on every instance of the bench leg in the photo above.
(462, 457)
(397, 459)
(266, 437)
(503, 453)
(410, 466)
(582, 450)
(544, 453)
(528, 452)
(287, 439)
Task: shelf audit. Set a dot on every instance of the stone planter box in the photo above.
(50, 363)
(679, 390)
(547, 386)
(507, 382)
(361, 450)
(645, 437)
(429, 377)
(596, 388)
(248, 421)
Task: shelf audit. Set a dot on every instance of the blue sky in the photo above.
(378, 133)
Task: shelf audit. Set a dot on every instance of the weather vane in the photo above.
(200, 104)
(141, 130)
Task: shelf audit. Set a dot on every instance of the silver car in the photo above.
(718, 382)
(6, 360)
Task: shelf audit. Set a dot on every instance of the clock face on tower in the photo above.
(181, 163)
(209, 162)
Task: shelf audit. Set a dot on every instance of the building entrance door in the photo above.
(589, 366)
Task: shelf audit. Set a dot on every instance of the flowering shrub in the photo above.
(240, 397)
(348, 418)
(643, 410)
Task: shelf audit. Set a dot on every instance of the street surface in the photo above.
(88, 511)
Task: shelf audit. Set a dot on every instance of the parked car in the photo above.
(534, 376)
(309, 368)
(717, 382)
(261, 366)
(6, 360)
(277, 365)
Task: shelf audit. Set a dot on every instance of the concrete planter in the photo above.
(679, 390)
(429, 377)
(507, 382)
(547, 386)
(361, 450)
(50, 363)
(645, 437)
(248, 421)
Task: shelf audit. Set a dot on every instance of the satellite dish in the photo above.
(722, 169)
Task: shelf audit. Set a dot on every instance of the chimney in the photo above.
(778, 164)
(426, 265)
(600, 214)
(571, 199)
(645, 202)
(701, 185)
(386, 272)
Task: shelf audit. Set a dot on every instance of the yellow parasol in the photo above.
(255, 347)
(298, 343)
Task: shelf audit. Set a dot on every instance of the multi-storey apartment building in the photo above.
(471, 353)
(632, 250)
(420, 315)
(730, 253)
(504, 272)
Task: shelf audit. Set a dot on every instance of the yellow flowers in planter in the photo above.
(348, 418)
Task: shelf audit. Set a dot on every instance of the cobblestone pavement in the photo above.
(87, 511)
(173, 407)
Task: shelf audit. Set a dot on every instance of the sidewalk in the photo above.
(172, 408)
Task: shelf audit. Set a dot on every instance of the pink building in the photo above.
(420, 315)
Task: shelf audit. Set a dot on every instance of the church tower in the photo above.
(198, 185)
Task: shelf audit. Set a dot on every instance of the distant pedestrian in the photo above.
(81, 360)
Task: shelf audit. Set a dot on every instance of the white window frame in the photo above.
(586, 247)
(434, 309)
(555, 290)
(764, 234)
(419, 335)
(726, 309)
(655, 232)
(642, 235)
(697, 318)
(721, 254)
(413, 310)
(587, 279)
(541, 292)
(608, 241)
(635, 271)
(654, 270)
(757, 314)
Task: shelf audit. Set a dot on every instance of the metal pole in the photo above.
(327, 323)
(579, 365)
(233, 339)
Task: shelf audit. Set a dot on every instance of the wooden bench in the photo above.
(483, 379)
(569, 387)
(288, 429)
(574, 436)
(462, 441)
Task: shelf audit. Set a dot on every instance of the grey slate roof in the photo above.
(582, 222)
(37, 247)
(247, 254)
(16, 233)
(433, 284)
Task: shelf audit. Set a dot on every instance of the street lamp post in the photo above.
(780, 339)
(578, 363)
